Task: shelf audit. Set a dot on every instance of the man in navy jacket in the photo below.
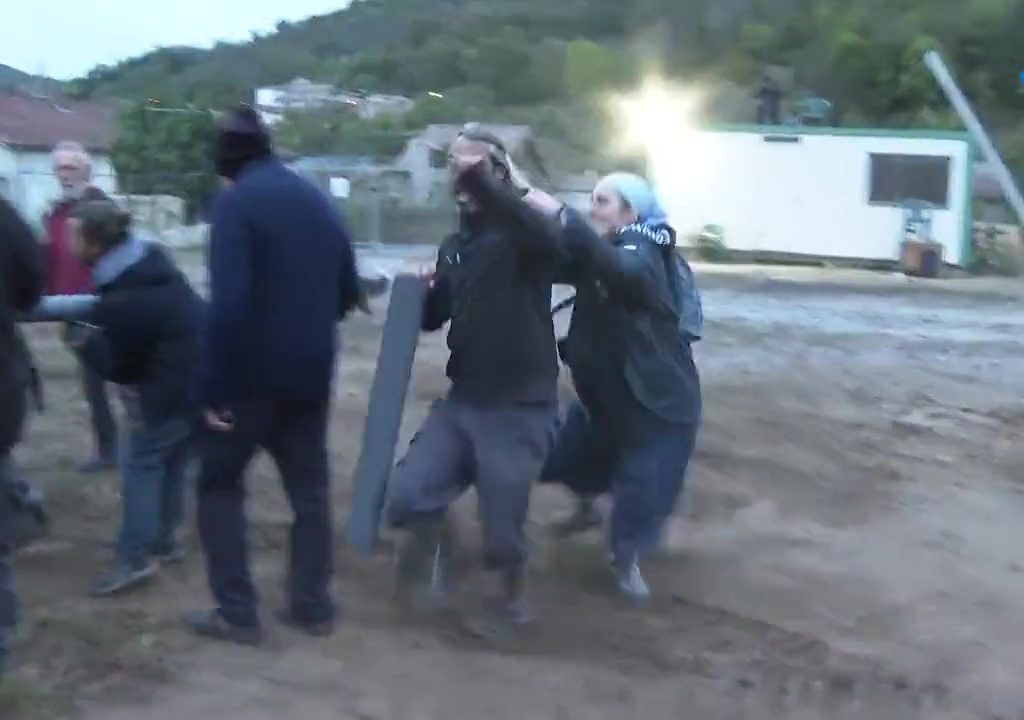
(282, 273)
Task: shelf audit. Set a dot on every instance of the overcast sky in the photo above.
(66, 38)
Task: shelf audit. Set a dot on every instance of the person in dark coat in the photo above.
(282, 274)
(493, 430)
(21, 286)
(142, 335)
(632, 430)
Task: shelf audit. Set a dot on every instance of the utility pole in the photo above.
(959, 101)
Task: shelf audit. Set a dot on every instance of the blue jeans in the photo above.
(153, 465)
(8, 600)
(643, 471)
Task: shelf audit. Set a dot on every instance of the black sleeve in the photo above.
(437, 306)
(627, 269)
(22, 260)
(539, 235)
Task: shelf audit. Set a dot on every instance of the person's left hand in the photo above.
(543, 202)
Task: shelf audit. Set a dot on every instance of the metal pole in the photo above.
(944, 77)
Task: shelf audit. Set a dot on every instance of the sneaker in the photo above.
(584, 518)
(211, 624)
(631, 582)
(316, 629)
(122, 578)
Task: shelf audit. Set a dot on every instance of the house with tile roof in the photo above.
(30, 125)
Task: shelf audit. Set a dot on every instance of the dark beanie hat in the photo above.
(242, 139)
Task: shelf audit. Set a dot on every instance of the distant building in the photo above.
(29, 128)
(425, 157)
(375, 105)
(300, 94)
(363, 175)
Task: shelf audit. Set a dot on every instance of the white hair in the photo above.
(75, 148)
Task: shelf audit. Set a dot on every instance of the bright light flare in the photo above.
(660, 121)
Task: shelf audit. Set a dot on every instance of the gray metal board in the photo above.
(384, 410)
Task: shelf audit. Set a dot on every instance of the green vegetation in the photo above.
(542, 62)
(160, 152)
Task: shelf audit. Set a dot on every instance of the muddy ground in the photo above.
(851, 545)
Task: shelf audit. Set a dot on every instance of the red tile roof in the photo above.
(35, 122)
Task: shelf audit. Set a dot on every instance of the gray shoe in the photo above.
(583, 519)
(631, 582)
(211, 624)
(122, 578)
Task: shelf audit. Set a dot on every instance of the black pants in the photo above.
(295, 435)
(499, 449)
(104, 427)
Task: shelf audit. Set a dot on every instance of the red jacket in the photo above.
(65, 275)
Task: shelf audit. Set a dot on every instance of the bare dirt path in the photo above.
(851, 548)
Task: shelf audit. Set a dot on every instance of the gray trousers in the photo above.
(500, 450)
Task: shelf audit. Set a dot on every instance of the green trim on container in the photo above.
(911, 133)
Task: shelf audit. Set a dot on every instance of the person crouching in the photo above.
(143, 335)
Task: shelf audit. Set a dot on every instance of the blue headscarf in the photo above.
(639, 195)
(653, 222)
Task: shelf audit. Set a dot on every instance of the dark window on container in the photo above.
(438, 158)
(897, 178)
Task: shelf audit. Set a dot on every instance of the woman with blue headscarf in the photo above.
(632, 430)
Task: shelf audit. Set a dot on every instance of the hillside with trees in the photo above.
(542, 62)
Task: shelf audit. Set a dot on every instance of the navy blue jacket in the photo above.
(627, 348)
(149, 321)
(282, 273)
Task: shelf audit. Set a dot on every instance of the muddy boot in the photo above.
(424, 569)
(585, 517)
(506, 610)
(630, 581)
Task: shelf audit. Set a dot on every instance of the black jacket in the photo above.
(21, 286)
(148, 324)
(628, 354)
(493, 281)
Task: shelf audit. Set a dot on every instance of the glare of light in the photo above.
(435, 94)
(660, 121)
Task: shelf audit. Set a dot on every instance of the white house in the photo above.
(300, 94)
(822, 192)
(29, 128)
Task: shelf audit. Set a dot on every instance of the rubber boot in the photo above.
(506, 609)
(585, 517)
(425, 566)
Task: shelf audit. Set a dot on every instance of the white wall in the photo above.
(33, 187)
(808, 197)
